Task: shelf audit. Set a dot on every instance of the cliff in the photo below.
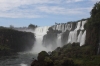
(15, 41)
(93, 28)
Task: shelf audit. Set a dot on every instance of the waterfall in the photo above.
(59, 44)
(38, 46)
(83, 38)
(83, 23)
(78, 26)
(79, 37)
(74, 37)
(62, 27)
(71, 32)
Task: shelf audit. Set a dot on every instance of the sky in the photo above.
(21, 13)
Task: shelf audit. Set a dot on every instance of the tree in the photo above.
(42, 55)
(93, 28)
(95, 15)
(31, 26)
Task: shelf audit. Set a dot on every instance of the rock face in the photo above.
(93, 28)
(16, 41)
(92, 38)
(50, 39)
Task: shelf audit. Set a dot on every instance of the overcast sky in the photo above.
(43, 12)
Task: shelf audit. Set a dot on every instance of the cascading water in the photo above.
(73, 35)
(38, 46)
(69, 33)
(79, 37)
(83, 23)
(59, 44)
(62, 27)
(83, 38)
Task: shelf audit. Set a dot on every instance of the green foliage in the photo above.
(31, 26)
(70, 55)
(48, 60)
(73, 54)
(50, 37)
(93, 28)
(13, 41)
(94, 20)
(42, 55)
(50, 30)
(2, 47)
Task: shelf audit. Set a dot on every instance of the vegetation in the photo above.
(12, 41)
(31, 26)
(73, 54)
(50, 37)
(69, 55)
(93, 28)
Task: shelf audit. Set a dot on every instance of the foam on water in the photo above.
(38, 46)
(23, 64)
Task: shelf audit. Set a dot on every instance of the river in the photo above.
(22, 59)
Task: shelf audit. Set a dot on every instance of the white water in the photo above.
(59, 44)
(38, 46)
(25, 59)
(83, 38)
(79, 37)
(73, 34)
(73, 37)
(78, 26)
(62, 27)
(83, 23)
(23, 64)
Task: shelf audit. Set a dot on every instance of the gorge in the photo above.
(74, 43)
(48, 38)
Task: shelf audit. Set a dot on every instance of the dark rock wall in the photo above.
(51, 37)
(15, 40)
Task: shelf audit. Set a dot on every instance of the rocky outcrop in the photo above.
(50, 38)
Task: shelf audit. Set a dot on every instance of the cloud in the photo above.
(94, 0)
(71, 1)
(62, 10)
(40, 8)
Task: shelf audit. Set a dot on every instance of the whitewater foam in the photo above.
(23, 64)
